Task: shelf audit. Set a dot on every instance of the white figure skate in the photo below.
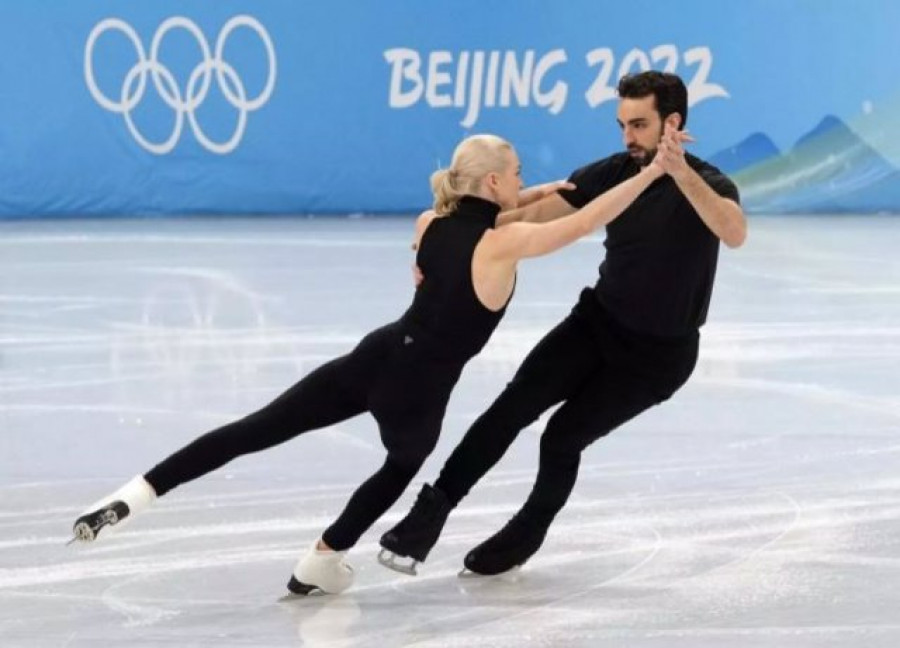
(112, 511)
(321, 572)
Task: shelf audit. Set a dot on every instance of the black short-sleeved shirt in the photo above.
(660, 263)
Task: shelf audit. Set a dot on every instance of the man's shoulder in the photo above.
(701, 166)
(611, 161)
(604, 169)
(714, 177)
(594, 178)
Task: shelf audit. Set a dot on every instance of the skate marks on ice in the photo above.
(630, 551)
(673, 568)
(603, 563)
(619, 558)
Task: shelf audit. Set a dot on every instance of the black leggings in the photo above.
(403, 387)
(603, 374)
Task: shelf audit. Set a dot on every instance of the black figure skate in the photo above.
(415, 535)
(510, 547)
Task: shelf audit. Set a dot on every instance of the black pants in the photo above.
(404, 387)
(602, 373)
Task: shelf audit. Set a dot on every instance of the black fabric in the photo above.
(405, 392)
(660, 264)
(603, 373)
(629, 343)
(445, 309)
(402, 373)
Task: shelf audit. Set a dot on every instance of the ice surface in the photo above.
(758, 507)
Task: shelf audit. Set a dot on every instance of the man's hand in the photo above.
(535, 193)
(670, 153)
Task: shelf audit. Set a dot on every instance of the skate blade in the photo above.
(88, 527)
(466, 573)
(297, 590)
(389, 559)
(291, 596)
(82, 532)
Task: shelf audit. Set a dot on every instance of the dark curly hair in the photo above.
(668, 89)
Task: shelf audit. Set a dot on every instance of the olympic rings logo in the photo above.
(186, 102)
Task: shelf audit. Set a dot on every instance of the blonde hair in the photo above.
(473, 159)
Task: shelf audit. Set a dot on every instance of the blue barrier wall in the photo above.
(112, 107)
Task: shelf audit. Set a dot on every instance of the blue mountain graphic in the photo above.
(754, 149)
(829, 169)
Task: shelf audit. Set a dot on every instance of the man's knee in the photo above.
(560, 450)
(570, 431)
(519, 405)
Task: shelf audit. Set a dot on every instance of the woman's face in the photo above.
(508, 182)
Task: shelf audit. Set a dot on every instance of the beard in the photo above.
(644, 156)
(641, 155)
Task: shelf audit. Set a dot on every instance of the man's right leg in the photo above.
(550, 373)
(563, 359)
(610, 398)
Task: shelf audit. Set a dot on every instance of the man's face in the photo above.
(641, 127)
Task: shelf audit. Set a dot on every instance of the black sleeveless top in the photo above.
(446, 314)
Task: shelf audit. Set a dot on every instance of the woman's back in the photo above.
(446, 313)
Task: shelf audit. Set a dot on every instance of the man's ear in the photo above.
(673, 120)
